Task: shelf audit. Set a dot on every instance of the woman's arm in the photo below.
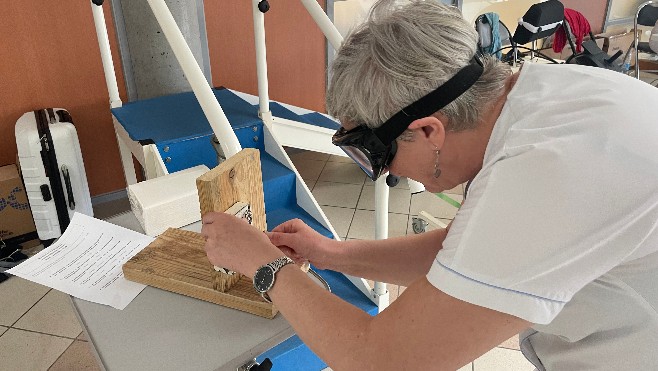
(399, 260)
(424, 329)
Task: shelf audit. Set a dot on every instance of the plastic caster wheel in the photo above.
(419, 225)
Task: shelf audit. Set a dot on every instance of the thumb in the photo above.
(283, 239)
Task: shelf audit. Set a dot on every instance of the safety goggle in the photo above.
(374, 149)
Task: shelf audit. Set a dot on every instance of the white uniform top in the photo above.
(560, 227)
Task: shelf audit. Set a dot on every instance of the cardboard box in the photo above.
(612, 43)
(16, 222)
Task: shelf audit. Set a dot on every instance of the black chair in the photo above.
(485, 31)
(647, 15)
(540, 21)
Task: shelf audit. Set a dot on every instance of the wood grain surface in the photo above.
(238, 178)
(177, 262)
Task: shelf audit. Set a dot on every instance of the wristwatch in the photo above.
(264, 277)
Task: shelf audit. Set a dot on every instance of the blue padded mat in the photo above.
(313, 118)
(179, 116)
(293, 354)
(319, 119)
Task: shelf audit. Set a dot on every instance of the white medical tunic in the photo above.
(560, 227)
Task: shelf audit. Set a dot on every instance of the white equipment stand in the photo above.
(314, 138)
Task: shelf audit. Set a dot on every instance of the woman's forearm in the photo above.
(399, 260)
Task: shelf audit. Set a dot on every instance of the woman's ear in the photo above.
(431, 129)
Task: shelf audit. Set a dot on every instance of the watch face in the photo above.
(264, 279)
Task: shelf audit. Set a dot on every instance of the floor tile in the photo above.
(24, 350)
(52, 315)
(310, 183)
(309, 169)
(403, 184)
(398, 200)
(410, 228)
(511, 343)
(31, 251)
(340, 218)
(429, 202)
(83, 336)
(337, 194)
(340, 172)
(107, 209)
(468, 367)
(300, 154)
(78, 357)
(393, 292)
(458, 190)
(502, 359)
(18, 296)
(345, 159)
(2, 330)
(363, 225)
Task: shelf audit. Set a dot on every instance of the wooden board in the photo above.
(237, 179)
(176, 261)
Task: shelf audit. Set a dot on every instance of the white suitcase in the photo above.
(53, 172)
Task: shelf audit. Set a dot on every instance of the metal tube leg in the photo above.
(322, 20)
(202, 90)
(127, 162)
(381, 231)
(261, 64)
(381, 208)
(106, 55)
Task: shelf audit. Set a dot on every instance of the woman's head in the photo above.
(399, 55)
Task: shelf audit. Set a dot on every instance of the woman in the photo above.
(557, 237)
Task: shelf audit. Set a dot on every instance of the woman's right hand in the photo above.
(301, 243)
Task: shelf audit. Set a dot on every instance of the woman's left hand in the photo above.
(234, 244)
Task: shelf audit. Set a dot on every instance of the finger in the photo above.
(282, 227)
(283, 239)
(209, 218)
(295, 225)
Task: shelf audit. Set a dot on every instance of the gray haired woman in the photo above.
(558, 236)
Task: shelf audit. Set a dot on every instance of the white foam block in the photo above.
(169, 201)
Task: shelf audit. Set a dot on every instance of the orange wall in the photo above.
(296, 51)
(49, 57)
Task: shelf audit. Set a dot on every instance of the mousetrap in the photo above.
(176, 261)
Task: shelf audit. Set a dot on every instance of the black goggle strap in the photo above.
(432, 102)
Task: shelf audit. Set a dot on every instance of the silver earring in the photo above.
(437, 171)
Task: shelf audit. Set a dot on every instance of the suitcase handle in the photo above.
(69, 188)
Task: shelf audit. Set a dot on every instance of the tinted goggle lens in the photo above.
(364, 148)
(360, 158)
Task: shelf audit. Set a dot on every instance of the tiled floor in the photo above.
(39, 330)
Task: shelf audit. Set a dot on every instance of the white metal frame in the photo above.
(636, 32)
(152, 162)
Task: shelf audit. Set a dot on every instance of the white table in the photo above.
(160, 330)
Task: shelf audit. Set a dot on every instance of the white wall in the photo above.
(349, 14)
